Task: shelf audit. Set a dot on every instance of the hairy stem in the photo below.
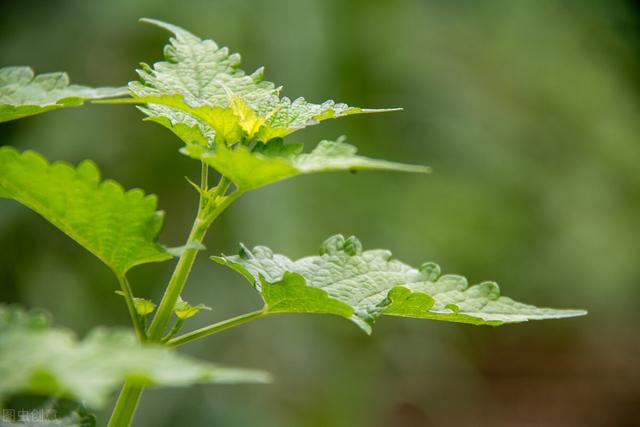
(131, 307)
(215, 328)
(126, 405)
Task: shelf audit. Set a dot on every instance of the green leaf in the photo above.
(120, 228)
(292, 295)
(371, 283)
(183, 310)
(179, 250)
(144, 307)
(208, 77)
(39, 359)
(24, 94)
(275, 161)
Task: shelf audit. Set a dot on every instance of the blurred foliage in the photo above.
(528, 113)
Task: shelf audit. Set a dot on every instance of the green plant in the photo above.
(233, 123)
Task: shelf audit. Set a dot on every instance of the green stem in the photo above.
(222, 187)
(215, 328)
(130, 395)
(183, 269)
(178, 280)
(204, 184)
(224, 204)
(176, 328)
(128, 296)
(126, 405)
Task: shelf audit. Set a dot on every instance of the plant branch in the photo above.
(204, 185)
(130, 394)
(128, 296)
(216, 327)
(126, 405)
(178, 279)
(206, 215)
(176, 328)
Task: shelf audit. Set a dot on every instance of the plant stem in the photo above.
(128, 296)
(222, 187)
(130, 395)
(178, 279)
(204, 184)
(174, 330)
(215, 328)
(185, 263)
(126, 405)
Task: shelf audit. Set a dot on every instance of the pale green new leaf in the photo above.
(120, 228)
(39, 359)
(144, 307)
(183, 310)
(24, 94)
(363, 285)
(209, 77)
(275, 161)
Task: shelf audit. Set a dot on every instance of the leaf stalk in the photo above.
(215, 328)
(131, 307)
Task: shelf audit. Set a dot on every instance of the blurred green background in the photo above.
(528, 112)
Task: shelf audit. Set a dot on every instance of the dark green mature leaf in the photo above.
(363, 285)
(209, 78)
(36, 358)
(24, 94)
(119, 227)
(275, 161)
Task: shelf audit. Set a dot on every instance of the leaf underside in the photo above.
(39, 359)
(120, 228)
(207, 78)
(275, 161)
(363, 285)
(23, 94)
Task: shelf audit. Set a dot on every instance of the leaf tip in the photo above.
(165, 25)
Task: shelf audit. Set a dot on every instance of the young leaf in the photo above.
(208, 77)
(275, 161)
(143, 307)
(120, 228)
(371, 283)
(24, 94)
(183, 310)
(36, 358)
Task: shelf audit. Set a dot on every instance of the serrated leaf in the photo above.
(120, 228)
(36, 358)
(371, 283)
(183, 310)
(143, 307)
(273, 162)
(292, 295)
(208, 76)
(23, 94)
(189, 134)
